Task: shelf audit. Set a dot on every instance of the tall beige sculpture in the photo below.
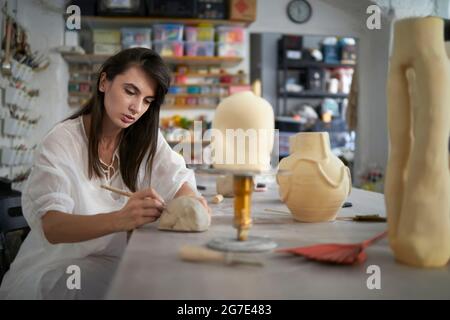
(319, 181)
(417, 186)
(245, 123)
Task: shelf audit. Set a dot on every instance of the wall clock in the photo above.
(299, 11)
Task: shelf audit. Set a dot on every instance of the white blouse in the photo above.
(59, 181)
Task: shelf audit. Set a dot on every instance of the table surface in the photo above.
(151, 268)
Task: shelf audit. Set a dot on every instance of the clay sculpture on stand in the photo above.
(417, 186)
(319, 181)
(245, 116)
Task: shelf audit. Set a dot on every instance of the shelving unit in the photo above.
(214, 80)
(111, 22)
(18, 119)
(312, 94)
(307, 81)
(189, 61)
(305, 66)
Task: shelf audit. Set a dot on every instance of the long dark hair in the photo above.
(140, 137)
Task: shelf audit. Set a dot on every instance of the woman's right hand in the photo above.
(143, 207)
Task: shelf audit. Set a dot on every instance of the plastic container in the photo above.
(147, 45)
(168, 32)
(230, 34)
(176, 90)
(136, 37)
(169, 101)
(193, 34)
(200, 48)
(169, 48)
(193, 90)
(230, 49)
(106, 48)
(106, 36)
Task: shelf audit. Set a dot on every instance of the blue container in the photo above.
(175, 90)
(193, 90)
(331, 53)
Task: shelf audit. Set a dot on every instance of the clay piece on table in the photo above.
(224, 186)
(185, 213)
(218, 198)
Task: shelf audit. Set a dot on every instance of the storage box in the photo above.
(230, 34)
(212, 9)
(199, 48)
(199, 34)
(106, 36)
(242, 10)
(230, 50)
(313, 79)
(172, 8)
(147, 45)
(169, 48)
(331, 53)
(136, 37)
(168, 32)
(120, 8)
(106, 49)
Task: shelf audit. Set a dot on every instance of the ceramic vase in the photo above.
(317, 182)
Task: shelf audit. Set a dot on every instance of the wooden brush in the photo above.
(336, 253)
(200, 254)
(118, 191)
(359, 218)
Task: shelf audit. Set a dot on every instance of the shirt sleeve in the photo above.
(169, 171)
(48, 187)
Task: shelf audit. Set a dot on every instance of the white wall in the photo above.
(371, 139)
(46, 29)
(325, 20)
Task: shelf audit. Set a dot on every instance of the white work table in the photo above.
(151, 268)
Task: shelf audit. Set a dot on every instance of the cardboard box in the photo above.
(106, 36)
(242, 10)
(106, 48)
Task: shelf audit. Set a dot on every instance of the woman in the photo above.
(77, 227)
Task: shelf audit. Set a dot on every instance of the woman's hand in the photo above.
(143, 207)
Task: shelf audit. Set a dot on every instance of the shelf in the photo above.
(203, 143)
(206, 85)
(209, 75)
(204, 61)
(313, 95)
(119, 22)
(88, 72)
(200, 95)
(200, 61)
(80, 94)
(83, 81)
(187, 106)
(300, 64)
